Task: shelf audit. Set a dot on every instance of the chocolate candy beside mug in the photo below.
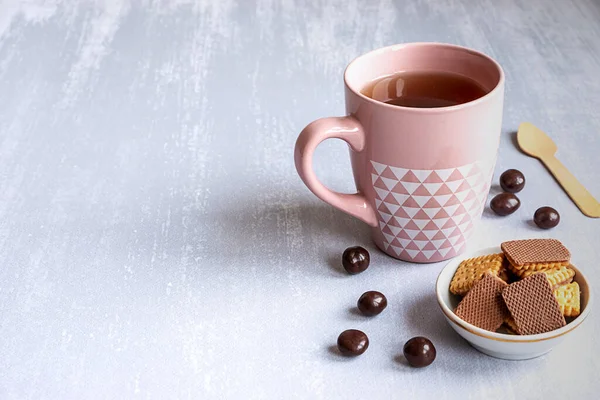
(419, 352)
(355, 260)
(512, 181)
(372, 303)
(546, 217)
(352, 342)
(505, 204)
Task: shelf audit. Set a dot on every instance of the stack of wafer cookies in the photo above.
(527, 289)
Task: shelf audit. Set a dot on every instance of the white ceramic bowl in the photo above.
(500, 345)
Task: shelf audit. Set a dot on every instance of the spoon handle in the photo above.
(576, 191)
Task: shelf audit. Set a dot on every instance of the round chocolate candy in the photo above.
(419, 352)
(352, 342)
(505, 204)
(546, 217)
(512, 181)
(371, 303)
(355, 260)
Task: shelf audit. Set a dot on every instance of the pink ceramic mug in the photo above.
(422, 174)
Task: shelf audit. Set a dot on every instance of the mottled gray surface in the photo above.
(155, 241)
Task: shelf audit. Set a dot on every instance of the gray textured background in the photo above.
(155, 241)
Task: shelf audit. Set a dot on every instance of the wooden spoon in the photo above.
(537, 144)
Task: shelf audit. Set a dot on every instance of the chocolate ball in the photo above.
(512, 181)
(546, 217)
(419, 352)
(371, 303)
(352, 342)
(505, 204)
(355, 260)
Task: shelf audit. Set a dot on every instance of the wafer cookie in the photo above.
(483, 305)
(536, 254)
(532, 305)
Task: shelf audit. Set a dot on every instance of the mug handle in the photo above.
(349, 130)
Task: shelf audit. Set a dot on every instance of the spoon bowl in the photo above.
(534, 141)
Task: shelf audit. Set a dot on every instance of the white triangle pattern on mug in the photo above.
(430, 235)
(421, 223)
(390, 183)
(429, 227)
(432, 187)
(378, 167)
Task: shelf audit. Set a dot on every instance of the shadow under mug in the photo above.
(422, 174)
